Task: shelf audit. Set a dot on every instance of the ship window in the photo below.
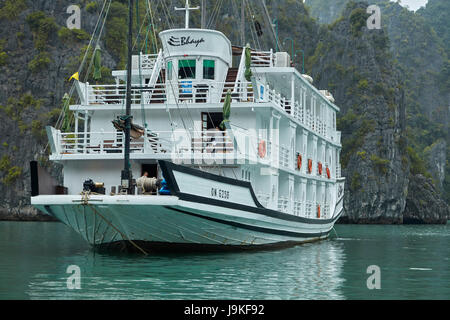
(208, 69)
(169, 70)
(186, 69)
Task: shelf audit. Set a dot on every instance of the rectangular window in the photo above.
(169, 70)
(186, 69)
(208, 69)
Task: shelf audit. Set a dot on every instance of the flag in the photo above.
(75, 76)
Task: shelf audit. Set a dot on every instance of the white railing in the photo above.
(309, 209)
(163, 92)
(309, 120)
(116, 94)
(284, 156)
(156, 68)
(111, 142)
(155, 142)
(241, 71)
(297, 208)
(326, 211)
(241, 144)
(148, 61)
(262, 59)
(280, 101)
(283, 204)
(298, 112)
(338, 171)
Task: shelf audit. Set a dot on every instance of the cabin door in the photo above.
(151, 169)
(211, 120)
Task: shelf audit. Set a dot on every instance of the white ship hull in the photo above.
(185, 219)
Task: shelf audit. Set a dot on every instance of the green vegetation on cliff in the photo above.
(12, 8)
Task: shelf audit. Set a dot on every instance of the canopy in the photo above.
(248, 62)
(97, 63)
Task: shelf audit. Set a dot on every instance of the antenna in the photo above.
(243, 23)
(187, 9)
(203, 14)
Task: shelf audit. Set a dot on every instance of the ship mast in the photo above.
(203, 14)
(188, 10)
(126, 177)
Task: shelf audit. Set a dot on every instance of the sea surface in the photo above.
(413, 263)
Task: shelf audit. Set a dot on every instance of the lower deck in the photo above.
(274, 189)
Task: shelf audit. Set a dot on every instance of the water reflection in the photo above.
(311, 271)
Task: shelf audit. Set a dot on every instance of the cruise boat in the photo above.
(240, 151)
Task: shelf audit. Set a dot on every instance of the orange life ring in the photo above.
(262, 149)
(318, 211)
(328, 173)
(309, 165)
(320, 168)
(299, 161)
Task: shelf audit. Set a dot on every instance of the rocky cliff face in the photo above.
(417, 53)
(355, 64)
(423, 205)
(437, 158)
(327, 14)
(38, 60)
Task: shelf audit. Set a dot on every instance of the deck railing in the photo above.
(148, 61)
(309, 207)
(284, 156)
(326, 211)
(283, 204)
(262, 59)
(338, 171)
(192, 92)
(170, 92)
(297, 208)
(153, 143)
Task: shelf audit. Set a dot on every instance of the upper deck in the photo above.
(193, 71)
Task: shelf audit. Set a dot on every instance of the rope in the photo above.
(81, 66)
(80, 69)
(85, 199)
(266, 11)
(215, 13)
(144, 121)
(256, 42)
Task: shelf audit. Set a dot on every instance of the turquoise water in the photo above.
(413, 261)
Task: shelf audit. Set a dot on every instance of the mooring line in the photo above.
(85, 200)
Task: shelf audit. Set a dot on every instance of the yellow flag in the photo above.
(75, 76)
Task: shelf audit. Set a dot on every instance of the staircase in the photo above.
(158, 94)
(229, 82)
